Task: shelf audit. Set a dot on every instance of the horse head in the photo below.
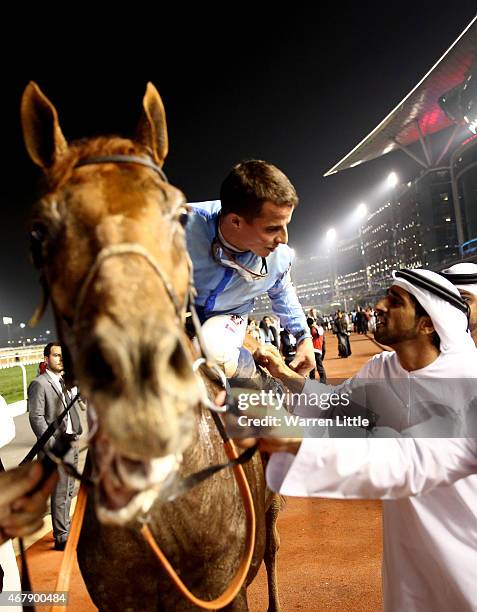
(109, 242)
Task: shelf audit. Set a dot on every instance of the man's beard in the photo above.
(380, 336)
(390, 338)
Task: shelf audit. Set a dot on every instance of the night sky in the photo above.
(299, 87)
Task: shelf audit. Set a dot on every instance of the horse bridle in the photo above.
(213, 370)
(131, 248)
(123, 159)
(122, 248)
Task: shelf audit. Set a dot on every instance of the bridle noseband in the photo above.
(131, 248)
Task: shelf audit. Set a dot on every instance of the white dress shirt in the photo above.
(56, 381)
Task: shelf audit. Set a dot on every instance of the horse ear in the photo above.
(152, 129)
(42, 134)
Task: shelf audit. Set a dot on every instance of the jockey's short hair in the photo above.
(252, 183)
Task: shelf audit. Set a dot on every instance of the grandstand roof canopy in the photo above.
(418, 115)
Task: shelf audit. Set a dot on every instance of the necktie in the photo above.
(72, 414)
(64, 388)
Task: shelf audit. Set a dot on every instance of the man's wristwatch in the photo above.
(301, 335)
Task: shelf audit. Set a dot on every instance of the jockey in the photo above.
(239, 251)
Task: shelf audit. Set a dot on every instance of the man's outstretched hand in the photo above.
(265, 445)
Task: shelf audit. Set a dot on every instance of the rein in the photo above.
(192, 480)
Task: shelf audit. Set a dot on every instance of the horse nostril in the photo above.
(150, 365)
(147, 363)
(178, 362)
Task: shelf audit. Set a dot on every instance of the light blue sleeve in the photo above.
(286, 306)
(198, 246)
(198, 240)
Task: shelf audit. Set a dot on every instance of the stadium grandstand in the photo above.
(429, 221)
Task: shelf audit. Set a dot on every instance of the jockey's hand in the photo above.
(272, 445)
(250, 343)
(21, 513)
(304, 360)
(269, 357)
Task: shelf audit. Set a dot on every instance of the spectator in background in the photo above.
(313, 313)
(324, 322)
(253, 330)
(47, 398)
(342, 334)
(371, 320)
(266, 332)
(42, 364)
(464, 277)
(287, 346)
(354, 320)
(274, 325)
(318, 337)
(361, 321)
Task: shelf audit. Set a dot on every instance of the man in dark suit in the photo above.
(47, 398)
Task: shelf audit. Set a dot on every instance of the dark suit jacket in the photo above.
(45, 403)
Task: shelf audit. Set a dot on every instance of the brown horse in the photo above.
(109, 242)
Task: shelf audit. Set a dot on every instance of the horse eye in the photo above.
(183, 218)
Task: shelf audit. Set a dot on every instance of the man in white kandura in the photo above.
(428, 485)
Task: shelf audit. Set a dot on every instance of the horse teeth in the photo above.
(131, 473)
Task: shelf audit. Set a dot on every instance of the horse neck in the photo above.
(206, 444)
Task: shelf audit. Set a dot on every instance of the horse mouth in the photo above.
(127, 486)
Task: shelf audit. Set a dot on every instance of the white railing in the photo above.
(27, 355)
